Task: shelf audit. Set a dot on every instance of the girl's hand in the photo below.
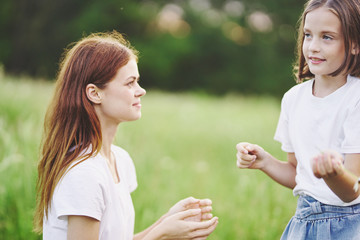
(250, 156)
(176, 226)
(193, 203)
(328, 164)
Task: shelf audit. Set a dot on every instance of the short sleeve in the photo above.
(80, 192)
(282, 130)
(351, 143)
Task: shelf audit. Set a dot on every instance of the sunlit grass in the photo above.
(184, 145)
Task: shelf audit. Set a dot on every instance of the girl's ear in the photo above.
(355, 50)
(93, 93)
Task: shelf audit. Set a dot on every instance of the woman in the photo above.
(84, 181)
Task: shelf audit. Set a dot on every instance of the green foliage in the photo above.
(207, 47)
(184, 145)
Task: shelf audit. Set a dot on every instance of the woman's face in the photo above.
(120, 99)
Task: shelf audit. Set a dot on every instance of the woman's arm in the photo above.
(177, 227)
(253, 156)
(182, 219)
(82, 228)
(340, 177)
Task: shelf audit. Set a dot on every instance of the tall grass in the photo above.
(184, 145)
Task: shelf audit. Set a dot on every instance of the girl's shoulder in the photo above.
(301, 87)
(354, 83)
(299, 90)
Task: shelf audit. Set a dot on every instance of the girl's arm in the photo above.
(82, 228)
(341, 178)
(255, 157)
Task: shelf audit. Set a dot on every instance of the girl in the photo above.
(318, 114)
(84, 181)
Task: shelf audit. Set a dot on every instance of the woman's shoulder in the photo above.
(120, 152)
(91, 169)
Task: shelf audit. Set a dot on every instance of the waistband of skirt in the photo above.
(308, 205)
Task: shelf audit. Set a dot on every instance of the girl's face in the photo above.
(323, 45)
(120, 99)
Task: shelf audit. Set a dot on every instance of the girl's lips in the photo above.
(315, 60)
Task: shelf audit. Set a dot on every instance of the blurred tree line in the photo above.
(214, 46)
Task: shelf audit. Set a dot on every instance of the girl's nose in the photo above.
(314, 45)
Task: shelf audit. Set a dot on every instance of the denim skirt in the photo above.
(315, 220)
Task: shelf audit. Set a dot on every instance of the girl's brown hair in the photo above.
(348, 12)
(71, 125)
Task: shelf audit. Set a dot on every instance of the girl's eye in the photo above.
(326, 37)
(307, 35)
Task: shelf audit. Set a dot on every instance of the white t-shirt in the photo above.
(308, 125)
(88, 189)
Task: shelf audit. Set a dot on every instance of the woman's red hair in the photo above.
(71, 125)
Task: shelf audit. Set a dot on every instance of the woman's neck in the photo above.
(108, 136)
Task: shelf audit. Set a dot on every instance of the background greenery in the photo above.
(184, 145)
(215, 46)
(214, 71)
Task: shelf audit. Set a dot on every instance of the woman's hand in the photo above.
(250, 156)
(328, 164)
(193, 203)
(178, 226)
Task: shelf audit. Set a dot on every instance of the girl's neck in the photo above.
(325, 85)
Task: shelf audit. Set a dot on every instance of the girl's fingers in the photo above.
(244, 161)
(321, 167)
(315, 166)
(241, 147)
(328, 166)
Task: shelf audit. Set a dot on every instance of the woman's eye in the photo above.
(307, 35)
(131, 83)
(325, 37)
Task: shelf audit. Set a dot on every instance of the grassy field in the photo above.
(184, 145)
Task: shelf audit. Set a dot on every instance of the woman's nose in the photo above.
(140, 92)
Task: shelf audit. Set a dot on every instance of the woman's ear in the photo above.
(93, 93)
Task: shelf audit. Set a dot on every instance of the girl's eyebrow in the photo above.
(323, 32)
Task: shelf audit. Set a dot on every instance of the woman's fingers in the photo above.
(202, 229)
(205, 202)
(187, 213)
(206, 216)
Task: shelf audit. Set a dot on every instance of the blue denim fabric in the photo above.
(315, 220)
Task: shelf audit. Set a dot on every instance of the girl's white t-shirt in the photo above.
(309, 125)
(88, 189)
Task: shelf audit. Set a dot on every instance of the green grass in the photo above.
(184, 145)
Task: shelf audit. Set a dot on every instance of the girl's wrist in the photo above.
(265, 162)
